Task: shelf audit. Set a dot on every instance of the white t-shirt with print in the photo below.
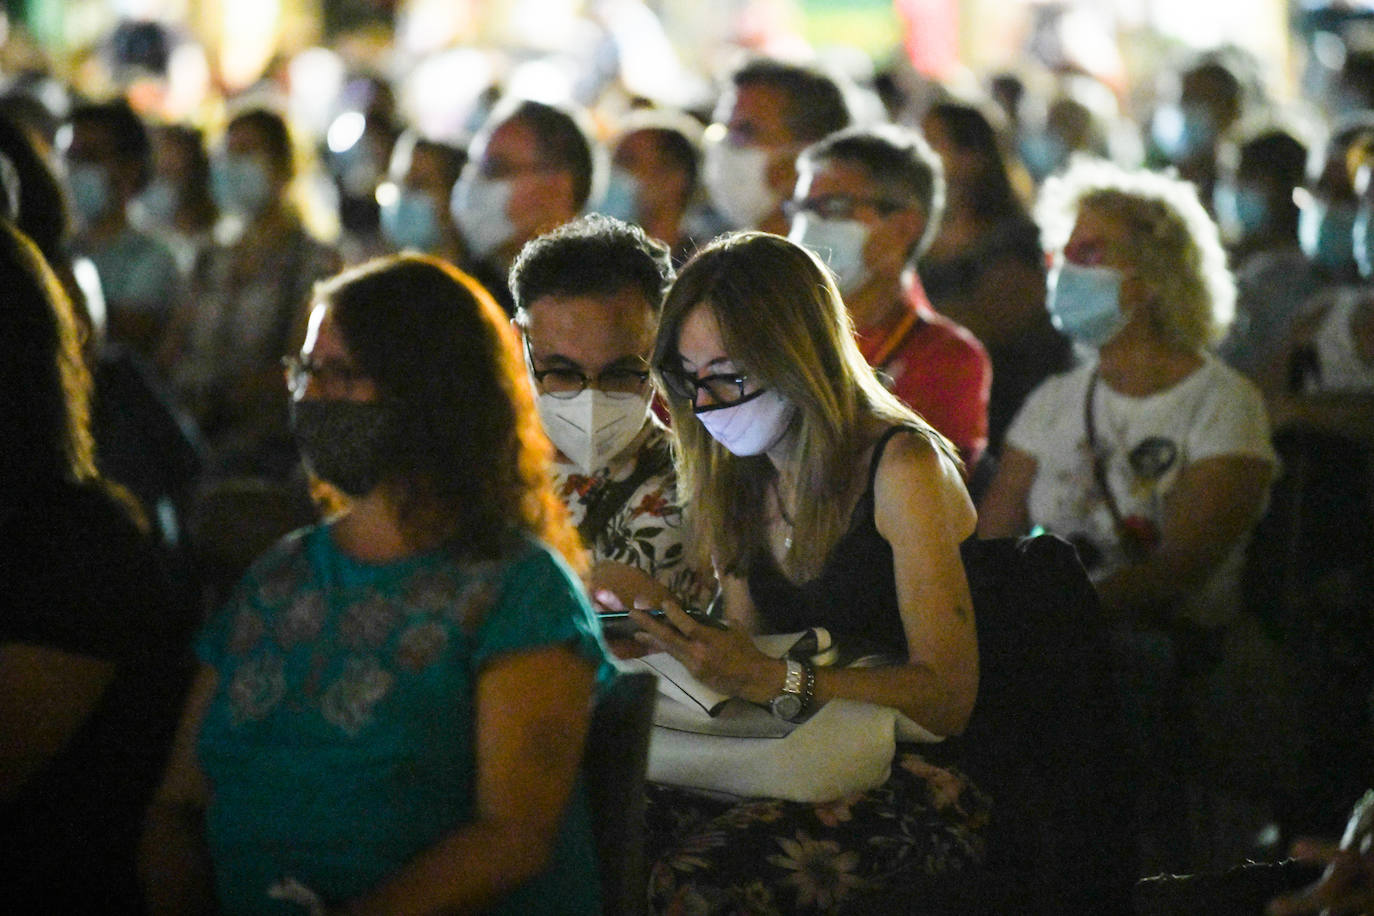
(1145, 443)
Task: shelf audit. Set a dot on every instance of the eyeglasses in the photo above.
(723, 389)
(841, 206)
(616, 382)
(330, 374)
(497, 169)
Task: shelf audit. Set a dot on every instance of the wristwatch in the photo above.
(797, 689)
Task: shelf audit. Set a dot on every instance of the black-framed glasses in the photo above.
(568, 383)
(724, 389)
(331, 374)
(840, 206)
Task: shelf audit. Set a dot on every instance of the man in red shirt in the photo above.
(868, 201)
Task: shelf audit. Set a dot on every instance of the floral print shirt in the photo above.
(648, 531)
(340, 743)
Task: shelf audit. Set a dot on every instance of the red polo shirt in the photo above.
(936, 367)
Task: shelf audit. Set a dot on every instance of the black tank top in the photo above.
(855, 594)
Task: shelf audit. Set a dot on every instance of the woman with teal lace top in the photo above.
(393, 704)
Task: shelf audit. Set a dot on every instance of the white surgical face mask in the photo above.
(479, 208)
(751, 426)
(594, 427)
(737, 182)
(839, 243)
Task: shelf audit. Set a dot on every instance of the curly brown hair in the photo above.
(469, 462)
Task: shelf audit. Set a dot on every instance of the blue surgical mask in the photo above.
(839, 243)
(90, 187)
(240, 185)
(409, 221)
(1043, 154)
(1242, 212)
(480, 208)
(1085, 302)
(1326, 234)
(621, 200)
(1182, 131)
(1363, 238)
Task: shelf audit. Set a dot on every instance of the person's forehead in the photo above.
(244, 137)
(511, 141)
(88, 137)
(639, 147)
(838, 176)
(1097, 228)
(426, 169)
(591, 314)
(760, 107)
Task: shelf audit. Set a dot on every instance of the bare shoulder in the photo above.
(914, 477)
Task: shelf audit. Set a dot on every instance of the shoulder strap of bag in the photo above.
(610, 499)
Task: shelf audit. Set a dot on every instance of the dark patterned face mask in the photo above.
(342, 442)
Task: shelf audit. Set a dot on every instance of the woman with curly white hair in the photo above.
(1153, 457)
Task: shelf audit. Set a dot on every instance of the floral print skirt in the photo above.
(767, 856)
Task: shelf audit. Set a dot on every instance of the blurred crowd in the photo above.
(1002, 254)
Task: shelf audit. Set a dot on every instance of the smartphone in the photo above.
(617, 617)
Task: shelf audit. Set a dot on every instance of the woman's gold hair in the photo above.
(1173, 242)
(783, 323)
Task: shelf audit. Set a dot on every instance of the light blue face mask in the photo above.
(839, 243)
(1043, 154)
(1362, 236)
(240, 185)
(479, 208)
(621, 200)
(1182, 131)
(1326, 234)
(1085, 302)
(409, 221)
(1241, 211)
(90, 188)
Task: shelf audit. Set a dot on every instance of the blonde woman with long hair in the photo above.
(822, 501)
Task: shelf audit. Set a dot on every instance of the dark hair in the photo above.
(43, 213)
(561, 139)
(1275, 155)
(125, 128)
(816, 105)
(972, 131)
(197, 178)
(898, 159)
(1357, 75)
(469, 462)
(452, 157)
(592, 255)
(677, 137)
(45, 385)
(275, 134)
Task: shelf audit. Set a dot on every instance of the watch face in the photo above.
(788, 706)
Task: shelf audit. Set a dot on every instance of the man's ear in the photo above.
(782, 174)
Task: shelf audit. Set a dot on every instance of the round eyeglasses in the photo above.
(330, 374)
(568, 383)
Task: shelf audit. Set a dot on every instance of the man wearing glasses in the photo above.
(587, 301)
(530, 170)
(868, 202)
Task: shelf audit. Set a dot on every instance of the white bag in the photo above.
(705, 741)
